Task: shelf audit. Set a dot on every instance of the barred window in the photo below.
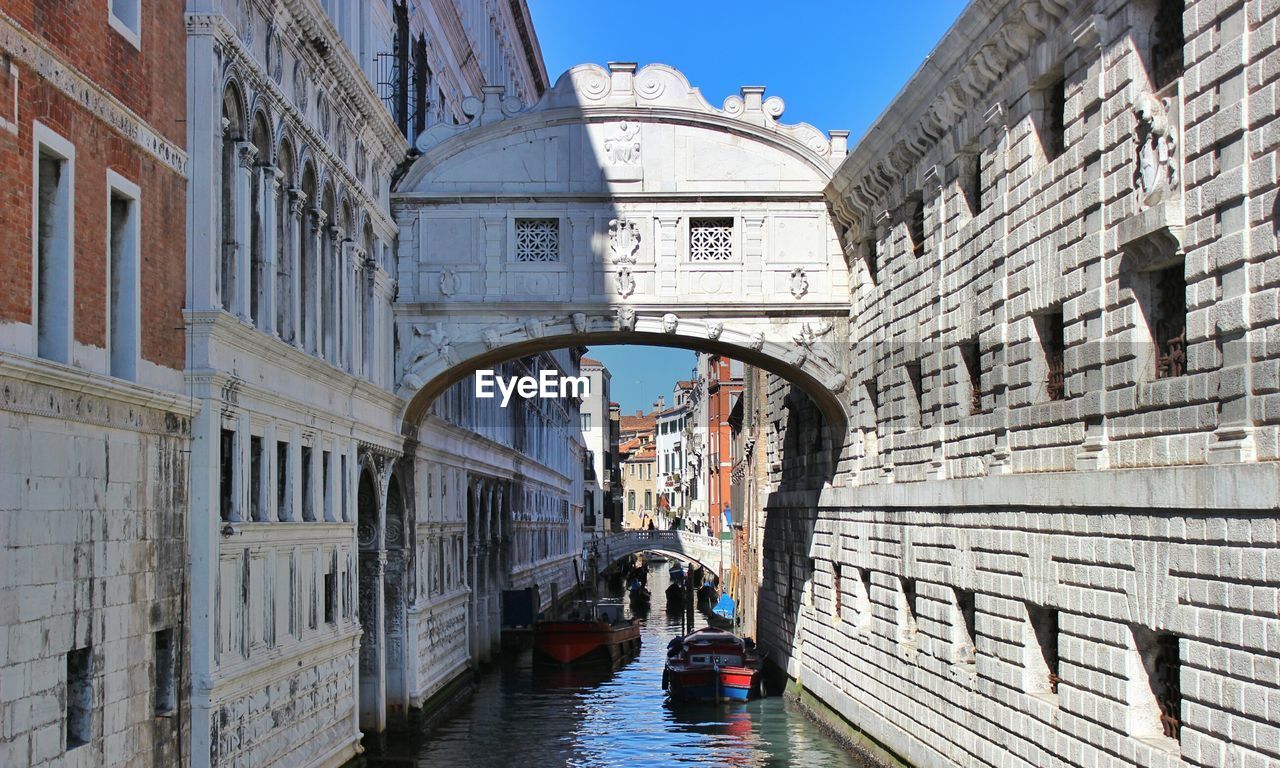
(537, 240)
(711, 239)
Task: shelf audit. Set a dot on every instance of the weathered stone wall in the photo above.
(1015, 568)
(93, 487)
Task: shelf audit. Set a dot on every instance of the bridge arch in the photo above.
(622, 208)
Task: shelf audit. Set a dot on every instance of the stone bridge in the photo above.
(712, 554)
(621, 208)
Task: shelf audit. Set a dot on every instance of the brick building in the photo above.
(94, 421)
(723, 388)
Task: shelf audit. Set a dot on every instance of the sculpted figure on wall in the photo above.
(623, 146)
(1157, 170)
(626, 318)
(669, 322)
(624, 281)
(624, 240)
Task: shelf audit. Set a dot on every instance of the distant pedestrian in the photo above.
(651, 525)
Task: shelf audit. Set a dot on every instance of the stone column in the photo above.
(297, 207)
(359, 311)
(335, 258)
(246, 160)
(204, 159)
(270, 188)
(381, 333)
(270, 512)
(666, 255)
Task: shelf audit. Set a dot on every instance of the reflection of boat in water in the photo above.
(712, 665)
(551, 677)
(599, 633)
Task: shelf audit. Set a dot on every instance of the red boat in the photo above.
(713, 665)
(603, 636)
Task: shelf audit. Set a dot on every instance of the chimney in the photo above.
(639, 413)
(662, 403)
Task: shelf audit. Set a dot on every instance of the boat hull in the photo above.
(583, 642)
(712, 685)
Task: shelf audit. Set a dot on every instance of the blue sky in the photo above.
(836, 63)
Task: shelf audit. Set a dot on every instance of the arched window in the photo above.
(232, 135)
(328, 299)
(309, 263)
(258, 194)
(285, 248)
(367, 309)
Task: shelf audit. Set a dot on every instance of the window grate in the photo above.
(710, 239)
(1171, 322)
(1054, 342)
(537, 240)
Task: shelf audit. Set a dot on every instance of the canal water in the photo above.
(522, 715)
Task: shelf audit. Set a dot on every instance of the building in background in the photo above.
(637, 462)
(94, 415)
(723, 388)
(601, 447)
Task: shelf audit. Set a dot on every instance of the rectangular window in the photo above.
(257, 509)
(967, 611)
(915, 223)
(971, 359)
(165, 690)
(123, 317)
(915, 391)
(711, 239)
(1044, 621)
(283, 497)
(971, 176)
(1053, 347)
(327, 495)
(537, 240)
(909, 596)
(1168, 320)
(79, 698)
(836, 588)
(125, 18)
(308, 492)
(330, 596)
(1162, 663)
(1055, 119)
(53, 235)
(1167, 43)
(586, 421)
(226, 474)
(648, 499)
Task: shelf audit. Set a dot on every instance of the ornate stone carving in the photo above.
(1156, 174)
(624, 281)
(297, 201)
(579, 321)
(714, 329)
(448, 282)
(670, 322)
(799, 282)
(247, 155)
(624, 240)
(427, 343)
(626, 318)
(837, 383)
(533, 328)
(490, 338)
(300, 85)
(757, 341)
(622, 147)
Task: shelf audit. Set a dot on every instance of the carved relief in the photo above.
(757, 341)
(799, 282)
(624, 281)
(1156, 175)
(714, 329)
(533, 328)
(300, 85)
(427, 343)
(626, 318)
(669, 322)
(579, 321)
(622, 147)
(448, 282)
(490, 337)
(624, 240)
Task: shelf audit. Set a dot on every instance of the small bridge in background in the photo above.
(714, 554)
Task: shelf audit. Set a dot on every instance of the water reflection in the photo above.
(522, 715)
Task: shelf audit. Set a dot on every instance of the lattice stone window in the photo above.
(711, 239)
(537, 240)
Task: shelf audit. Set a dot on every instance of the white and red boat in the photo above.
(712, 665)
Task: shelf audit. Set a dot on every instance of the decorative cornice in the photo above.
(35, 54)
(961, 72)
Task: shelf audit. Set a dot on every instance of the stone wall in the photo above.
(93, 485)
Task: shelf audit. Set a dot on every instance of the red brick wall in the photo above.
(151, 82)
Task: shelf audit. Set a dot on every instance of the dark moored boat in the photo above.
(712, 665)
(639, 598)
(603, 636)
(675, 593)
